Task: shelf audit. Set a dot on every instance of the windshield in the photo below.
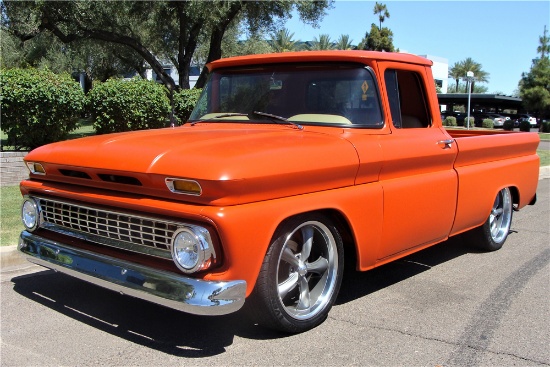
(340, 94)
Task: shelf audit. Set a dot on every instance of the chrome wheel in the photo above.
(501, 216)
(493, 233)
(306, 271)
(300, 276)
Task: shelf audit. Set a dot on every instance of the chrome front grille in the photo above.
(116, 229)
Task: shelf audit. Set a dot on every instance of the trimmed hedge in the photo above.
(450, 121)
(38, 106)
(508, 125)
(124, 105)
(545, 127)
(525, 126)
(184, 102)
(472, 122)
(488, 124)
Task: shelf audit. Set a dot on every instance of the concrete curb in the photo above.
(12, 260)
(544, 172)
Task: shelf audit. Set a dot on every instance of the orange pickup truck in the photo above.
(289, 164)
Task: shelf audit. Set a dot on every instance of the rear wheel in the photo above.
(300, 276)
(493, 233)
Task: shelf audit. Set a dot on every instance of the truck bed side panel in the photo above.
(487, 164)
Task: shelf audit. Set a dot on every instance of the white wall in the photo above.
(440, 70)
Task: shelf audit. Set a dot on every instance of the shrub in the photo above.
(123, 105)
(38, 106)
(472, 122)
(545, 127)
(508, 125)
(524, 125)
(184, 102)
(488, 124)
(450, 121)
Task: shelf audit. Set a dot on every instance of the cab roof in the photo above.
(316, 56)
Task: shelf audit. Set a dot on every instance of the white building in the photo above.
(440, 70)
(194, 73)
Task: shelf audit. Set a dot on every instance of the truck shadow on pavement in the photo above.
(192, 336)
(359, 284)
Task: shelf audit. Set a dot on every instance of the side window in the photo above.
(407, 99)
(390, 77)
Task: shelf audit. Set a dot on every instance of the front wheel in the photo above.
(300, 276)
(493, 233)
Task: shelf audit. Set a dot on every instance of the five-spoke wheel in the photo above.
(300, 275)
(493, 233)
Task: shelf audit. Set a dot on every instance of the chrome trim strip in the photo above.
(146, 250)
(181, 293)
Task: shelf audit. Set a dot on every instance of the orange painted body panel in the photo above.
(268, 158)
(395, 191)
(484, 169)
(245, 231)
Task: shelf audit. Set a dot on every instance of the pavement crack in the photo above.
(473, 348)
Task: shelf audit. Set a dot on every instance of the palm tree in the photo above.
(283, 42)
(322, 43)
(479, 74)
(382, 12)
(456, 72)
(459, 69)
(544, 47)
(344, 43)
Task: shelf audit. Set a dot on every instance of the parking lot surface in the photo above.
(445, 306)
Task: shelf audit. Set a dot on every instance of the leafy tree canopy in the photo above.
(152, 31)
(379, 39)
(534, 86)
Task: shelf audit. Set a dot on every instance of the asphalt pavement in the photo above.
(445, 306)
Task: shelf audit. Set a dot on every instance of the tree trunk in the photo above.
(215, 50)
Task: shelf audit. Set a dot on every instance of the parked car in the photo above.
(498, 120)
(532, 119)
(460, 116)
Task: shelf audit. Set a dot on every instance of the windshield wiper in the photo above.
(259, 113)
(220, 117)
(277, 118)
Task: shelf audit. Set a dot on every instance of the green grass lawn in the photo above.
(544, 157)
(10, 218)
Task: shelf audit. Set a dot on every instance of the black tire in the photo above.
(493, 233)
(301, 275)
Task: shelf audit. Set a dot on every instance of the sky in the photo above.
(502, 36)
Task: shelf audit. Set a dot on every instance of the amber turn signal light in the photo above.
(183, 186)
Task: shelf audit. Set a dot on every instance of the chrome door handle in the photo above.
(445, 144)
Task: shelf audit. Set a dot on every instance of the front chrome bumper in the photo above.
(182, 293)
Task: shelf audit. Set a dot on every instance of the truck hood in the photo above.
(233, 163)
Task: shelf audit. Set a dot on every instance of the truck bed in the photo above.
(490, 160)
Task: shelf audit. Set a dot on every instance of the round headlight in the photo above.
(30, 214)
(192, 249)
(186, 250)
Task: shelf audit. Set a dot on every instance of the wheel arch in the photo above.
(343, 226)
(515, 194)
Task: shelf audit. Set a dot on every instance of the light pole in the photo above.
(470, 78)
